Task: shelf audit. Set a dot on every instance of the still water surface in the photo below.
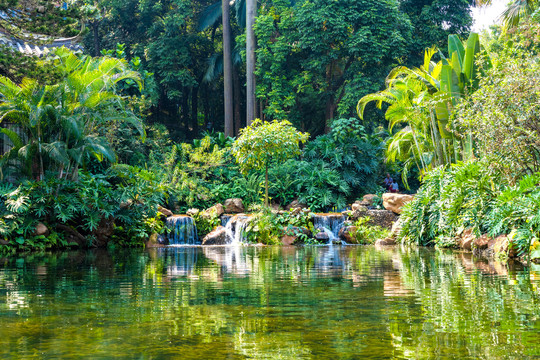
(354, 302)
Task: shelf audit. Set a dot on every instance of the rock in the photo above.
(346, 234)
(382, 218)
(218, 236)
(288, 240)
(368, 200)
(41, 229)
(322, 236)
(481, 242)
(502, 245)
(386, 242)
(126, 204)
(103, 233)
(290, 234)
(395, 202)
(41, 9)
(192, 212)
(396, 228)
(165, 212)
(358, 207)
(467, 238)
(156, 240)
(357, 211)
(214, 211)
(295, 204)
(234, 206)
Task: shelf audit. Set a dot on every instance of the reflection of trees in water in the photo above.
(268, 302)
(472, 304)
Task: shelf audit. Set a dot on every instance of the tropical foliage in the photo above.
(265, 142)
(422, 100)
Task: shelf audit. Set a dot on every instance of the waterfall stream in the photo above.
(330, 224)
(182, 230)
(235, 229)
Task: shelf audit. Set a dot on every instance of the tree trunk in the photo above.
(237, 105)
(251, 13)
(227, 70)
(95, 32)
(185, 111)
(266, 185)
(194, 111)
(329, 114)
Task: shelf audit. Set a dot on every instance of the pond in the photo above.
(332, 302)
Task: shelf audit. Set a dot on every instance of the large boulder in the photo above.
(234, 206)
(291, 234)
(467, 238)
(295, 204)
(368, 200)
(322, 236)
(502, 245)
(192, 212)
(41, 229)
(481, 242)
(165, 212)
(218, 236)
(214, 211)
(382, 218)
(395, 202)
(346, 234)
(357, 211)
(156, 240)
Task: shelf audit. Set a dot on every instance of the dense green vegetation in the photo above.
(496, 192)
(94, 143)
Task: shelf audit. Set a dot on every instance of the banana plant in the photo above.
(426, 104)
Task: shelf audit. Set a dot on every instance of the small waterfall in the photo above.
(235, 229)
(330, 224)
(182, 230)
(225, 219)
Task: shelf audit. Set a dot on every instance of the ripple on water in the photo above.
(266, 303)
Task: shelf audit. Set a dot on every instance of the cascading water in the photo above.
(330, 224)
(235, 228)
(182, 230)
(225, 219)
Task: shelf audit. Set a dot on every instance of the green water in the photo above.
(350, 302)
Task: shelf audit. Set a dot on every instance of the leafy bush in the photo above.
(368, 234)
(352, 153)
(268, 227)
(450, 200)
(125, 197)
(503, 114)
(205, 223)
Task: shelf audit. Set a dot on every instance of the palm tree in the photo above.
(227, 70)
(423, 100)
(63, 123)
(245, 11)
(251, 13)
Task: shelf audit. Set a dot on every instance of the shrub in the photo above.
(368, 234)
(449, 200)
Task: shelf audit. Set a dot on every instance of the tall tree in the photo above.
(227, 69)
(314, 58)
(433, 21)
(251, 13)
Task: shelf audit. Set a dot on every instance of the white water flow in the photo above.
(182, 230)
(235, 228)
(330, 224)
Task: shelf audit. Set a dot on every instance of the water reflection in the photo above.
(335, 302)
